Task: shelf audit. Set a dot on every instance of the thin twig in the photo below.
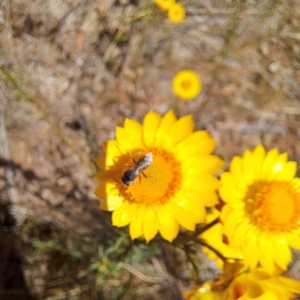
(141, 275)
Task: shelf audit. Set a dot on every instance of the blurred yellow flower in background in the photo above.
(186, 84)
(164, 4)
(214, 237)
(173, 190)
(176, 13)
(262, 212)
(257, 284)
(202, 292)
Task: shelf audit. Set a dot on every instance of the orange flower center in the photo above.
(276, 206)
(177, 12)
(186, 84)
(157, 183)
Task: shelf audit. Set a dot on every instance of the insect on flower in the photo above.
(143, 163)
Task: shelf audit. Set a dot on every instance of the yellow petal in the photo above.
(103, 205)
(226, 210)
(201, 182)
(100, 191)
(250, 249)
(209, 198)
(113, 151)
(113, 199)
(258, 291)
(249, 168)
(129, 210)
(282, 252)
(136, 225)
(266, 252)
(288, 172)
(135, 131)
(202, 164)
(276, 170)
(236, 167)
(100, 161)
(182, 129)
(259, 154)
(150, 126)
(116, 216)
(108, 175)
(248, 161)
(124, 140)
(133, 127)
(290, 284)
(293, 240)
(198, 143)
(190, 201)
(123, 215)
(267, 169)
(186, 219)
(231, 195)
(233, 220)
(241, 232)
(150, 226)
(168, 226)
(228, 180)
(162, 135)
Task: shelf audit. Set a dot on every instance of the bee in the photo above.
(143, 163)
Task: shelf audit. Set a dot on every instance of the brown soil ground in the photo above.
(70, 71)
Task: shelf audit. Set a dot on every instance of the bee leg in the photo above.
(146, 175)
(140, 177)
(121, 190)
(117, 180)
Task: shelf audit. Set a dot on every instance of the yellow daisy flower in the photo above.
(164, 4)
(257, 284)
(186, 84)
(214, 237)
(173, 182)
(262, 212)
(176, 13)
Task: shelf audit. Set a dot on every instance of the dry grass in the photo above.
(72, 70)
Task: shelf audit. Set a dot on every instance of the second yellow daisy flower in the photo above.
(262, 212)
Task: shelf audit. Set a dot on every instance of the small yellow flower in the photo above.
(202, 292)
(214, 237)
(257, 284)
(186, 84)
(173, 190)
(176, 13)
(164, 4)
(262, 212)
